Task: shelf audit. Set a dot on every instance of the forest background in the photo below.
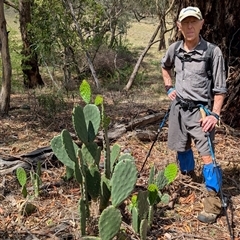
(49, 47)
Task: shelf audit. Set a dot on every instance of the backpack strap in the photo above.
(209, 71)
(208, 59)
(177, 44)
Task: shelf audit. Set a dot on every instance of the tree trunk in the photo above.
(32, 77)
(140, 59)
(6, 65)
(160, 28)
(222, 27)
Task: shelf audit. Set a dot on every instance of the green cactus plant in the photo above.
(115, 152)
(109, 223)
(112, 185)
(83, 215)
(142, 204)
(105, 193)
(22, 179)
(36, 179)
(86, 122)
(123, 181)
(143, 229)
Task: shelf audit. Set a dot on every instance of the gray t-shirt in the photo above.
(192, 80)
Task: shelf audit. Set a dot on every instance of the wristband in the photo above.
(215, 115)
(170, 90)
(167, 87)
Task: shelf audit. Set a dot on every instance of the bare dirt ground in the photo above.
(57, 216)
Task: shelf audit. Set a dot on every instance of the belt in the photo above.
(187, 104)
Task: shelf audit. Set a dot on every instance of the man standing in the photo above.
(200, 80)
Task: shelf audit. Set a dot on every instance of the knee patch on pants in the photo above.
(186, 161)
(213, 177)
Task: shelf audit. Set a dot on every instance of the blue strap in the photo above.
(208, 112)
(170, 90)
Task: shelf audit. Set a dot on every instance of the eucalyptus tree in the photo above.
(32, 77)
(68, 34)
(6, 64)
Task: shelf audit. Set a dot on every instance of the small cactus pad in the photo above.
(109, 223)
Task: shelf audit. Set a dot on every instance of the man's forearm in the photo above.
(218, 103)
(166, 74)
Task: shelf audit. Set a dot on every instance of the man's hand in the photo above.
(172, 94)
(208, 123)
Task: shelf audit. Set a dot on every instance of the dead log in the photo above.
(46, 157)
(119, 129)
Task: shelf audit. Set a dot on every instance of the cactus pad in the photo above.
(93, 180)
(21, 176)
(109, 223)
(123, 181)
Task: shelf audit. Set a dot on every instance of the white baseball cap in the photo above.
(190, 12)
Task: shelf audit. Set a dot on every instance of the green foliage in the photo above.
(170, 172)
(84, 162)
(22, 179)
(86, 122)
(123, 181)
(50, 104)
(98, 100)
(160, 180)
(85, 91)
(153, 193)
(142, 204)
(35, 180)
(143, 229)
(109, 223)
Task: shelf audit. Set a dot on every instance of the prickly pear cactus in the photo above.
(22, 179)
(86, 122)
(143, 205)
(135, 219)
(115, 151)
(151, 175)
(93, 181)
(21, 176)
(143, 229)
(67, 152)
(60, 151)
(91, 153)
(83, 216)
(152, 193)
(123, 181)
(170, 172)
(105, 193)
(109, 223)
